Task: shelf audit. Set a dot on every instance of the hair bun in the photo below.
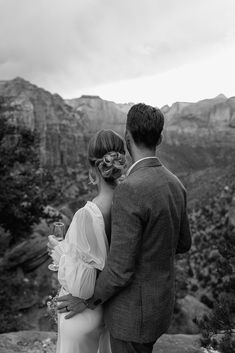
(112, 164)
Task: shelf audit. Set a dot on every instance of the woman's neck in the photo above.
(105, 193)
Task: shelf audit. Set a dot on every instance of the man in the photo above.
(149, 226)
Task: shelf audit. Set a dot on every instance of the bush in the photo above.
(203, 264)
(218, 329)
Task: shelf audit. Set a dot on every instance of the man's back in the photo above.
(151, 206)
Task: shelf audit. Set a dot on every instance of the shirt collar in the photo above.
(134, 164)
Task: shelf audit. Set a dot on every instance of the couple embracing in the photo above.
(116, 264)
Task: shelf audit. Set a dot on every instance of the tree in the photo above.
(22, 180)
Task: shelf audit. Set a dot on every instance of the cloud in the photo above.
(68, 45)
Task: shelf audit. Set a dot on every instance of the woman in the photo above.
(83, 252)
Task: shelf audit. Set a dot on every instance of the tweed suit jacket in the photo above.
(149, 226)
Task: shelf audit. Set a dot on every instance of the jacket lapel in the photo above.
(146, 163)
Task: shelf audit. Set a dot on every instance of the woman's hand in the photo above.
(52, 243)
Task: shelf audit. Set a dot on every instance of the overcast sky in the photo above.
(154, 51)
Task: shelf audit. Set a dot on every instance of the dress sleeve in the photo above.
(83, 252)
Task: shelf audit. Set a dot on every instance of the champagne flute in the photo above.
(58, 232)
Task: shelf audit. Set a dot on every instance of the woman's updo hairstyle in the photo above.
(106, 152)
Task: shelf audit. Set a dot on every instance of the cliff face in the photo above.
(101, 114)
(209, 120)
(199, 135)
(196, 136)
(61, 129)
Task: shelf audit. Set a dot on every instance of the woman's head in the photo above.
(106, 155)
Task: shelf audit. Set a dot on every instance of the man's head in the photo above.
(144, 127)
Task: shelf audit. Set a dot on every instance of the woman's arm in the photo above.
(81, 256)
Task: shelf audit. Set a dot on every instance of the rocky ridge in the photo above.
(204, 122)
(61, 129)
(198, 137)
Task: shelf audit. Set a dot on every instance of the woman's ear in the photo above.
(93, 177)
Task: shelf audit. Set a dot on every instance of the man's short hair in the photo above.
(145, 123)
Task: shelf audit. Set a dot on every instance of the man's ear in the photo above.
(127, 137)
(128, 140)
(160, 140)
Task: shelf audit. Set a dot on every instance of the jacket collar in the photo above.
(145, 163)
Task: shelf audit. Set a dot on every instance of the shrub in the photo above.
(218, 329)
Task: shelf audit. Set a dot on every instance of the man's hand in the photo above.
(73, 305)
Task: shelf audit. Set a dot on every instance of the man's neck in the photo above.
(137, 155)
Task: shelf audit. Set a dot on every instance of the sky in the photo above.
(152, 51)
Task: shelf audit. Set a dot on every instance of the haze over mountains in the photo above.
(197, 136)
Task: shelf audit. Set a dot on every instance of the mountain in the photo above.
(101, 114)
(203, 133)
(198, 142)
(196, 135)
(212, 119)
(190, 123)
(60, 127)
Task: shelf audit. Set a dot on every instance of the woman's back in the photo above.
(104, 206)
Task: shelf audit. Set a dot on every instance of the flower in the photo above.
(52, 307)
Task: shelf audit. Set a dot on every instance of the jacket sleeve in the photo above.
(127, 224)
(184, 241)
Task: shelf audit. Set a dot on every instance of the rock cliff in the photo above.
(207, 121)
(101, 114)
(61, 128)
(197, 136)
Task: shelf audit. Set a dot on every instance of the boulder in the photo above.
(188, 308)
(28, 342)
(178, 344)
(40, 342)
(28, 255)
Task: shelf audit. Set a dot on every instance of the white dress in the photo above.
(80, 255)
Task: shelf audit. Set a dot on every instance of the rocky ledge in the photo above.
(44, 342)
